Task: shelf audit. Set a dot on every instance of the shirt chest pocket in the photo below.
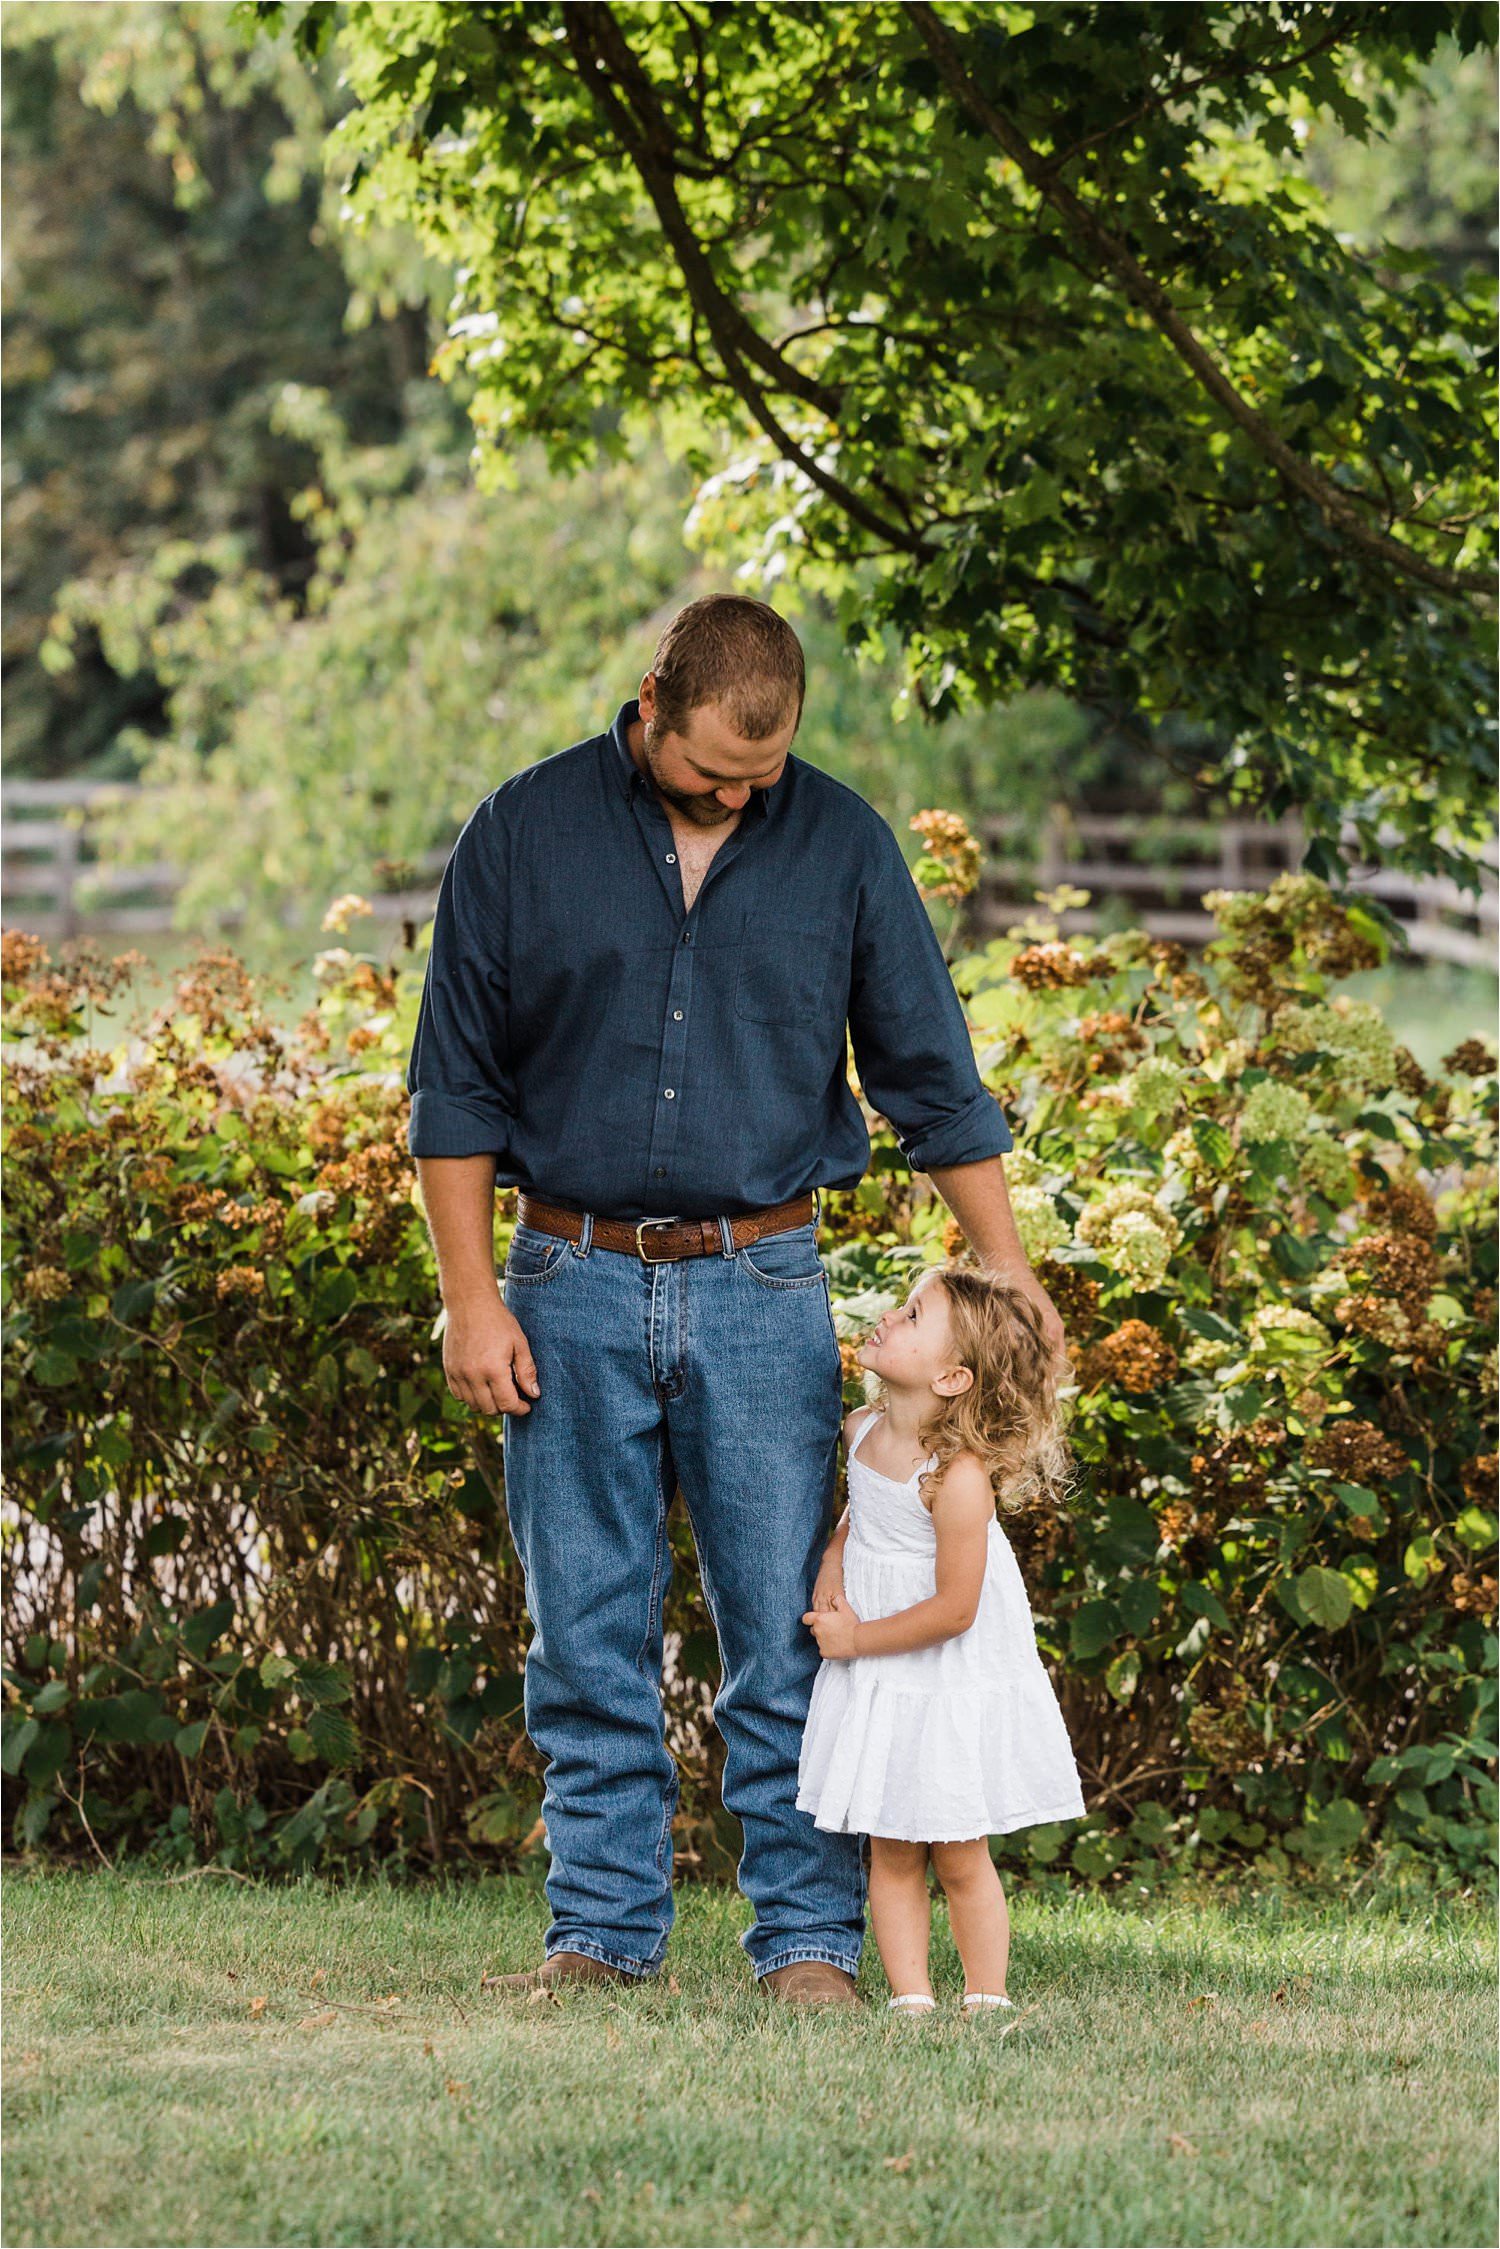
(784, 969)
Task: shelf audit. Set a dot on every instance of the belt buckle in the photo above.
(640, 1246)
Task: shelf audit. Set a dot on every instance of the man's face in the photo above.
(708, 771)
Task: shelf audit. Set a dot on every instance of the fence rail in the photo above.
(1157, 870)
(1125, 859)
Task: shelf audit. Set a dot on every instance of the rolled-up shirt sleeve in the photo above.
(458, 1075)
(912, 1047)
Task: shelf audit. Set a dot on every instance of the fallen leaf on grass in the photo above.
(1179, 2145)
(544, 1998)
(455, 2088)
(591, 2194)
(388, 2005)
(898, 2162)
(1204, 1999)
(1260, 2024)
(319, 1975)
(673, 1984)
(257, 2007)
(611, 2035)
(233, 1974)
(319, 2022)
(427, 2048)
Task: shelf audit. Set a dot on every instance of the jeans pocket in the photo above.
(788, 1260)
(533, 1255)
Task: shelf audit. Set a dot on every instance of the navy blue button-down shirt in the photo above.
(617, 1054)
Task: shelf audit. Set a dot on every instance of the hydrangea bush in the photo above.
(261, 1605)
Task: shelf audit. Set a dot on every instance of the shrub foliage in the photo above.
(261, 1606)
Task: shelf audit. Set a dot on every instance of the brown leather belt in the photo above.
(668, 1237)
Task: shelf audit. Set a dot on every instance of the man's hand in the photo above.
(828, 1588)
(1052, 1325)
(979, 1199)
(833, 1629)
(487, 1358)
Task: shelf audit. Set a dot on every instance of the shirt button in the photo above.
(661, 1171)
(670, 1095)
(687, 937)
(677, 1015)
(671, 858)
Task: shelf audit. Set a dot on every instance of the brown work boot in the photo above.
(559, 1968)
(810, 1983)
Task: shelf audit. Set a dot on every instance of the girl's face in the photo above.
(910, 1346)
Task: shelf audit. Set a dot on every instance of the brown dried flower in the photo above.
(950, 843)
(1479, 1478)
(1471, 1058)
(241, 1280)
(1356, 1452)
(1400, 1267)
(1136, 1357)
(1056, 967)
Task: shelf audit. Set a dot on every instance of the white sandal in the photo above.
(976, 1999)
(917, 1999)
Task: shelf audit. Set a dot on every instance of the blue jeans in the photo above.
(721, 1374)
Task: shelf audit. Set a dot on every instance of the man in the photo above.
(645, 953)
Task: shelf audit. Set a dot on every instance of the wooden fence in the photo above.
(1152, 872)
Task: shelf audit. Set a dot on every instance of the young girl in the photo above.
(933, 1724)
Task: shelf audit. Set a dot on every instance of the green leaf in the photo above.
(1123, 1675)
(1203, 1601)
(333, 1737)
(323, 1683)
(19, 1734)
(1138, 1603)
(1094, 1624)
(188, 1740)
(276, 1670)
(1325, 1597)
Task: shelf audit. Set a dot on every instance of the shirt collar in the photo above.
(629, 772)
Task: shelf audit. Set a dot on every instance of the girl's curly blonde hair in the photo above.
(1009, 1416)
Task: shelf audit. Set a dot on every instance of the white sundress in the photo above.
(944, 1743)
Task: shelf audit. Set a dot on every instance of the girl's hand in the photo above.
(833, 1629)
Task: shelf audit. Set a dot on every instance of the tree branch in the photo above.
(1338, 509)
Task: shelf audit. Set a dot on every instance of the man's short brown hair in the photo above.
(736, 653)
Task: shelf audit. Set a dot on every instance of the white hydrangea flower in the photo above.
(1274, 1111)
(1040, 1224)
(1284, 1332)
(1154, 1086)
(1139, 1249)
(1133, 1232)
(1354, 1034)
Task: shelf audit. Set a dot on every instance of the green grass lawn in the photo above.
(205, 2061)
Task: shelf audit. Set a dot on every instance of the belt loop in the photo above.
(817, 1196)
(582, 1246)
(726, 1235)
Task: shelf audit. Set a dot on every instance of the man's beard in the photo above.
(706, 810)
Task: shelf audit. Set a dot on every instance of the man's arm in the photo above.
(979, 1199)
(462, 1103)
(916, 1064)
(486, 1357)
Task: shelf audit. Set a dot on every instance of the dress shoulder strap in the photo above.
(871, 1418)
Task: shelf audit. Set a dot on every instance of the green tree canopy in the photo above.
(1021, 332)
